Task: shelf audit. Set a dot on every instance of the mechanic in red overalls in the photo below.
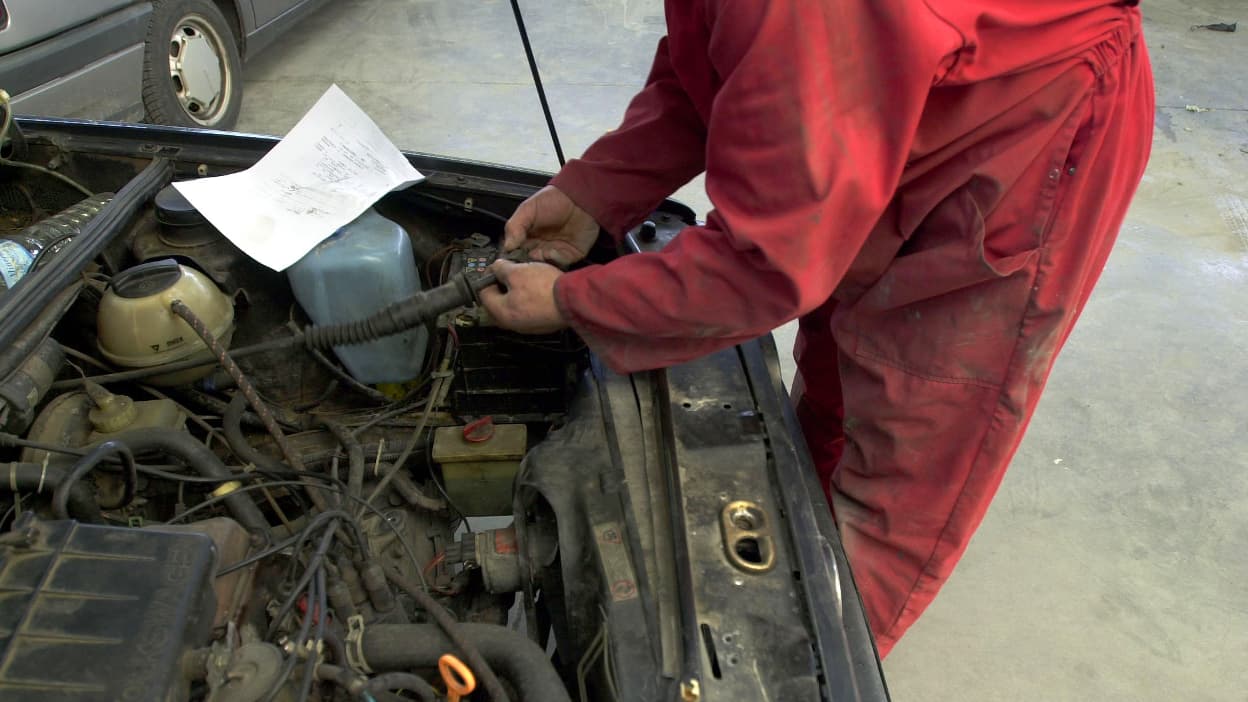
(931, 187)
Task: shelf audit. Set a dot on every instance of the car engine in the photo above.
(185, 522)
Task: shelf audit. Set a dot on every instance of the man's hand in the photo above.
(528, 305)
(551, 228)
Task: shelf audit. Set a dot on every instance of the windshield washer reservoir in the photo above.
(363, 267)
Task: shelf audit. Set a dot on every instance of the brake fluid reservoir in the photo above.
(363, 267)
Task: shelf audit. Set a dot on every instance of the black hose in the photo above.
(455, 633)
(214, 405)
(38, 477)
(245, 388)
(201, 460)
(398, 317)
(30, 339)
(341, 676)
(514, 655)
(403, 681)
(89, 462)
(355, 455)
(232, 428)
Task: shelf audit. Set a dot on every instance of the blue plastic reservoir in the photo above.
(363, 267)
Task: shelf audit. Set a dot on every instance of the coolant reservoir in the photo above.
(363, 267)
(137, 328)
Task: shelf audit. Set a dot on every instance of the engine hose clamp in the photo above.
(226, 488)
(355, 644)
(43, 473)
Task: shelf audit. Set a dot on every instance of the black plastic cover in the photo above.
(101, 613)
(174, 209)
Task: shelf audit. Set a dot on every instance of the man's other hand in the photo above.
(551, 228)
(528, 303)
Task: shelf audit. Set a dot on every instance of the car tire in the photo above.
(192, 72)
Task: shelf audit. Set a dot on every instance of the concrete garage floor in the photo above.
(1113, 564)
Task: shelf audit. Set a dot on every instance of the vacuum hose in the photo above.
(202, 461)
(37, 477)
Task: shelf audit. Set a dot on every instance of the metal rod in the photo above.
(537, 81)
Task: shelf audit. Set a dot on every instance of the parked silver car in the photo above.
(175, 62)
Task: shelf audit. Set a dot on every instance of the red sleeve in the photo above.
(807, 139)
(657, 148)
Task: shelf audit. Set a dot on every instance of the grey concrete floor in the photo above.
(1114, 563)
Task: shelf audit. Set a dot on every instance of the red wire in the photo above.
(434, 563)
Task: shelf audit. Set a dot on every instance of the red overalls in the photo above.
(932, 187)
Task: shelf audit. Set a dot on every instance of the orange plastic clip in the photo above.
(459, 679)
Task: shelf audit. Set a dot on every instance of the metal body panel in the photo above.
(31, 21)
(67, 52)
(110, 88)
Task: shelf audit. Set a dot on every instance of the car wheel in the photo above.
(192, 73)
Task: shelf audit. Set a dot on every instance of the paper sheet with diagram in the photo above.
(334, 164)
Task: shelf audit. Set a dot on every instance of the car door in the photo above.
(266, 11)
(29, 21)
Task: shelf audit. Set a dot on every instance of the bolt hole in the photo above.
(733, 659)
(686, 405)
(729, 638)
(727, 405)
(749, 550)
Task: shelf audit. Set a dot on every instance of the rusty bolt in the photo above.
(623, 589)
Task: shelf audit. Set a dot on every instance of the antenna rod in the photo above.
(537, 81)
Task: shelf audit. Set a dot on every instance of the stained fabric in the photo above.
(931, 188)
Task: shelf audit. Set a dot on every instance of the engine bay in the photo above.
(231, 484)
(316, 491)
